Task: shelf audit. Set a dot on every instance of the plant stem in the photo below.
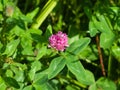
(73, 81)
(26, 6)
(44, 13)
(100, 56)
(109, 65)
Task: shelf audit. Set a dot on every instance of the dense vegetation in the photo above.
(31, 55)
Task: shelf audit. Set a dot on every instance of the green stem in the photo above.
(78, 84)
(109, 65)
(26, 6)
(88, 61)
(44, 13)
(83, 58)
(72, 81)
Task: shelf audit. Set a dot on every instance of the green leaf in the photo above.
(26, 40)
(78, 46)
(41, 77)
(83, 76)
(49, 86)
(19, 76)
(93, 29)
(75, 66)
(26, 43)
(45, 86)
(77, 69)
(17, 31)
(11, 47)
(88, 55)
(1, 6)
(103, 25)
(42, 51)
(39, 87)
(48, 32)
(9, 73)
(116, 52)
(18, 70)
(30, 87)
(73, 39)
(98, 25)
(71, 87)
(35, 31)
(2, 84)
(32, 14)
(106, 40)
(25, 18)
(105, 84)
(56, 66)
(115, 10)
(11, 82)
(28, 51)
(92, 87)
(90, 77)
(36, 65)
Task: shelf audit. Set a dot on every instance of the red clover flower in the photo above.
(58, 41)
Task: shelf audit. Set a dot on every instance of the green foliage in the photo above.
(78, 70)
(11, 47)
(28, 63)
(78, 45)
(55, 67)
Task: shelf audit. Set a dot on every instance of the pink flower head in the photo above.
(59, 41)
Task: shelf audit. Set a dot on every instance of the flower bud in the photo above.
(9, 10)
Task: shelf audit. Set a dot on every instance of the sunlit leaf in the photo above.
(78, 70)
(35, 66)
(30, 87)
(56, 66)
(78, 46)
(41, 77)
(116, 52)
(93, 29)
(45, 86)
(2, 84)
(106, 40)
(35, 31)
(17, 31)
(92, 87)
(41, 52)
(9, 73)
(11, 47)
(102, 24)
(32, 14)
(90, 77)
(105, 84)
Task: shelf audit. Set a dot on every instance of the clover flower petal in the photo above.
(58, 41)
